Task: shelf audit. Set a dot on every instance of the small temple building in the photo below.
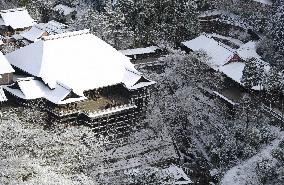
(39, 30)
(13, 20)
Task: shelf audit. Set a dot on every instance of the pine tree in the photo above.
(111, 27)
(277, 33)
(274, 83)
(154, 21)
(253, 73)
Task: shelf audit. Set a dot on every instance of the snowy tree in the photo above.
(276, 33)
(253, 73)
(156, 21)
(111, 27)
(147, 175)
(274, 83)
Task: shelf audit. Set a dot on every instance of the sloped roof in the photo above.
(5, 66)
(133, 80)
(248, 50)
(78, 60)
(33, 34)
(139, 51)
(30, 88)
(233, 70)
(53, 27)
(218, 53)
(37, 31)
(17, 18)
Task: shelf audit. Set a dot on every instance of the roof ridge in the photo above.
(64, 35)
(13, 10)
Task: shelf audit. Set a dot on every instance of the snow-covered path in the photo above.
(244, 173)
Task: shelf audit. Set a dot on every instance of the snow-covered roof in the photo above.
(2, 95)
(53, 27)
(218, 53)
(267, 2)
(233, 70)
(133, 80)
(33, 34)
(139, 51)
(78, 60)
(230, 39)
(29, 88)
(248, 50)
(66, 10)
(37, 31)
(178, 174)
(5, 66)
(17, 18)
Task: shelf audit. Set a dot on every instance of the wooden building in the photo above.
(76, 74)
(230, 62)
(6, 71)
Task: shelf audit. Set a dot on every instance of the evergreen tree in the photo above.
(111, 26)
(154, 21)
(277, 33)
(274, 83)
(253, 73)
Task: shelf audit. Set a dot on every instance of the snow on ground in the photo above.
(244, 173)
